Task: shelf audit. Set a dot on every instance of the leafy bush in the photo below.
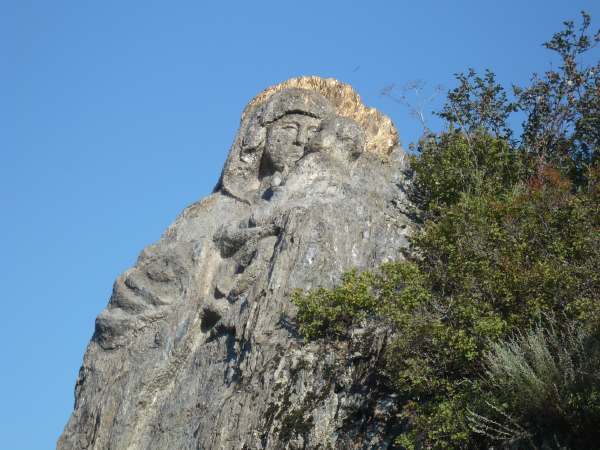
(329, 313)
(454, 163)
(533, 250)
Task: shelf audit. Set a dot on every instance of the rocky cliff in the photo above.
(197, 348)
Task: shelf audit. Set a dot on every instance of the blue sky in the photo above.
(116, 115)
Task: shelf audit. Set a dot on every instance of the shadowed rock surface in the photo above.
(197, 348)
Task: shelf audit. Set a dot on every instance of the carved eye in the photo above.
(289, 127)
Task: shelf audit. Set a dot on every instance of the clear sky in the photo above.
(115, 115)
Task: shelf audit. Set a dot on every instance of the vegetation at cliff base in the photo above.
(496, 312)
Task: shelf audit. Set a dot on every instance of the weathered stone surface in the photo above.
(197, 348)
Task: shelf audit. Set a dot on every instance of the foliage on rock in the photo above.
(510, 241)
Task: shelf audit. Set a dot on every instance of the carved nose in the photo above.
(301, 137)
(323, 141)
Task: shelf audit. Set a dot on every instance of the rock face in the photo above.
(197, 348)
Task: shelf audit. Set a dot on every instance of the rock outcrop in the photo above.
(197, 348)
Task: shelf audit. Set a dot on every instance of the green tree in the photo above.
(562, 127)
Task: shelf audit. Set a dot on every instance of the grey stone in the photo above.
(198, 349)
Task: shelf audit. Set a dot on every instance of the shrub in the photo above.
(548, 379)
(453, 163)
(330, 312)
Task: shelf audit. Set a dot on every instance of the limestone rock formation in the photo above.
(197, 348)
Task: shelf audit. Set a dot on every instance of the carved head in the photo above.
(290, 118)
(273, 137)
(265, 145)
(286, 141)
(340, 137)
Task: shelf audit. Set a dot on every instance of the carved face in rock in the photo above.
(272, 138)
(286, 140)
(340, 137)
